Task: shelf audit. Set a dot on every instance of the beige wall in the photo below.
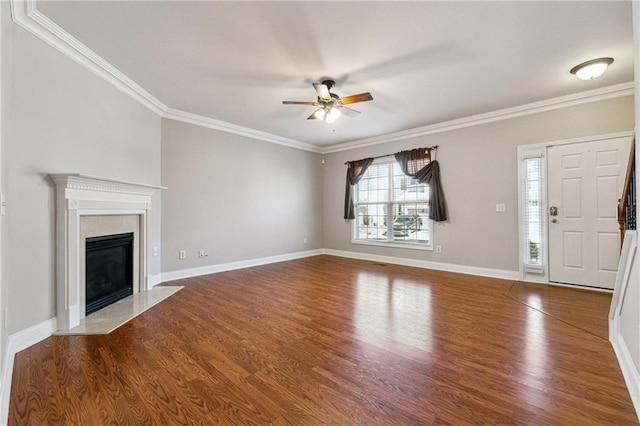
(59, 118)
(236, 198)
(478, 169)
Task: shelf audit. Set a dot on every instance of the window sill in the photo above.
(534, 269)
(414, 246)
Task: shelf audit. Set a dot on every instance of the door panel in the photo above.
(572, 245)
(607, 185)
(584, 182)
(572, 198)
(608, 251)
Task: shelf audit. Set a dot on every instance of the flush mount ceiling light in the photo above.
(591, 69)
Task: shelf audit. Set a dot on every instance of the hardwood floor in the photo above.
(326, 340)
(586, 310)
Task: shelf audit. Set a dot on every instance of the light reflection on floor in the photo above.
(536, 368)
(397, 310)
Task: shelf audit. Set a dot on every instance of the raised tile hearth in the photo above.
(113, 316)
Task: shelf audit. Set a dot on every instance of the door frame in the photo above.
(522, 151)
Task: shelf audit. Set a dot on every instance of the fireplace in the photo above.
(109, 270)
(87, 207)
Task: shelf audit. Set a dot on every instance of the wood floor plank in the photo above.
(579, 309)
(327, 340)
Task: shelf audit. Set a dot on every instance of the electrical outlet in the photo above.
(305, 240)
(501, 207)
(155, 251)
(438, 249)
(183, 254)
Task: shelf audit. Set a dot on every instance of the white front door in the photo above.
(584, 183)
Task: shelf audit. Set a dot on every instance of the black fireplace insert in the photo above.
(109, 270)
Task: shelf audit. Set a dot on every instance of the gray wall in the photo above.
(59, 118)
(236, 198)
(478, 169)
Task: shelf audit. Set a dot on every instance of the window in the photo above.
(533, 213)
(391, 208)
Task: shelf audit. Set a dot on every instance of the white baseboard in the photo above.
(15, 343)
(222, 267)
(629, 371)
(154, 280)
(626, 281)
(426, 264)
(449, 267)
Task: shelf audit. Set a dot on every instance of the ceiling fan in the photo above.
(331, 105)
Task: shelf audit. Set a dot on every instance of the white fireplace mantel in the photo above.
(79, 195)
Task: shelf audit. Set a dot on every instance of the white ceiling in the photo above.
(423, 62)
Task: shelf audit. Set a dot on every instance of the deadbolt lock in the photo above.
(553, 211)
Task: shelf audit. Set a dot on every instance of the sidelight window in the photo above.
(533, 212)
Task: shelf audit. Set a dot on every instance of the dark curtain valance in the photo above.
(416, 164)
(355, 170)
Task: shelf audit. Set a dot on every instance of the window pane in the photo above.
(411, 223)
(374, 185)
(534, 212)
(406, 188)
(371, 222)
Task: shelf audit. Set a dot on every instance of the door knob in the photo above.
(554, 220)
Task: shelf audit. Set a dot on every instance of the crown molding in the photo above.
(595, 95)
(25, 14)
(202, 121)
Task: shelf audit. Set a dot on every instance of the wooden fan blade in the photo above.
(362, 97)
(300, 103)
(313, 116)
(349, 112)
(322, 90)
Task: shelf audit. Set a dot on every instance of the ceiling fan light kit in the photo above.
(319, 114)
(327, 114)
(591, 69)
(331, 105)
(332, 115)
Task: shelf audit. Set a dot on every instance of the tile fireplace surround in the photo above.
(81, 195)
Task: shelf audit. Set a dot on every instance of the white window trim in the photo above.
(526, 274)
(392, 244)
(527, 271)
(412, 246)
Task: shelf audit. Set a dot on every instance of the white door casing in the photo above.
(584, 182)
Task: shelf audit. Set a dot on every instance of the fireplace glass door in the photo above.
(109, 270)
